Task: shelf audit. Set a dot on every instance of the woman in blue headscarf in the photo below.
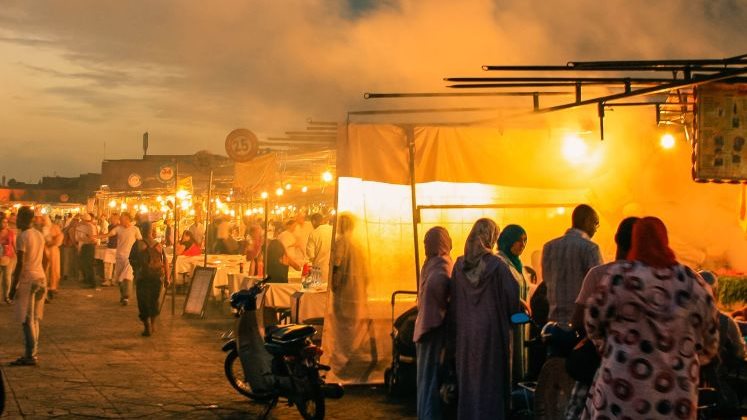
(511, 243)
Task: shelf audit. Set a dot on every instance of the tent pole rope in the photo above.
(415, 219)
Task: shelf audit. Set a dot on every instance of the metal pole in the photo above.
(264, 254)
(207, 219)
(173, 243)
(415, 215)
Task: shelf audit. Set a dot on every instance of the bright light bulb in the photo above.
(112, 204)
(574, 148)
(191, 212)
(123, 206)
(304, 189)
(667, 141)
(288, 187)
(327, 176)
(264, 195)
(279, 192)
(560, 210)
(44, 210)
(159, 198)
(143, 208)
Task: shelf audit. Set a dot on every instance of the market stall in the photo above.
(397, 181)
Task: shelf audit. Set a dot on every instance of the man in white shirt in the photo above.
(198, 230)
(290, 242)
(126, 234)
(29, 285)
(320, 244)
(86, 235)
(303, 231)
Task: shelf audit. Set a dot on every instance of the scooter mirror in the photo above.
(520, 318)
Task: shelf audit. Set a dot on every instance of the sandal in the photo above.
(24, 361)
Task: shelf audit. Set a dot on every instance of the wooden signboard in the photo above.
(199, 291)
(720, 152)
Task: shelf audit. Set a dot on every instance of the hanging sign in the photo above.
(720, 152)
(134, 180)
(241, 145)
(166, 173)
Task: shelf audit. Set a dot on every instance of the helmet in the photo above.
(559, 338)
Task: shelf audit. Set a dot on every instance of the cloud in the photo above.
(27, 42)
(269, 65)
(106, 78)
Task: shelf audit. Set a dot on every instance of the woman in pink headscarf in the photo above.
(430, 333)
(654, 322)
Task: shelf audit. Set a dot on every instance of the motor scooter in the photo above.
(283, 364)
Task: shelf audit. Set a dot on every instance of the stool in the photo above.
(283, 315)
(225, 292)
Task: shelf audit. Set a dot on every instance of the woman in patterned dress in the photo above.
(654, 322)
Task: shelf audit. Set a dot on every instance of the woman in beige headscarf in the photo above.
(53, 240)
(484, 295)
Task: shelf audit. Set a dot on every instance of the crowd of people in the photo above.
(652, 322)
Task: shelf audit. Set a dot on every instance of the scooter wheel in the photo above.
(312, 407)
(235, 375)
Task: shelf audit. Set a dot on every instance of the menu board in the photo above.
(199, 291)
(720, 152)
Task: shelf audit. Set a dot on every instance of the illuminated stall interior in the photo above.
(530, 170)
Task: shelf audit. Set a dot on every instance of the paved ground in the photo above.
(95, 364)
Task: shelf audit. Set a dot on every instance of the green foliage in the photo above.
(732, 290)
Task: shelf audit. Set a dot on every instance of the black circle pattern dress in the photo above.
(653, 327)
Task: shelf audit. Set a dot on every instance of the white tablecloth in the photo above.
(227, 266)
(308, 304)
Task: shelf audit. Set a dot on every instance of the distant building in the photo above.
(52, 189)
(154, 173)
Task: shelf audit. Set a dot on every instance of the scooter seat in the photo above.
(290, 333)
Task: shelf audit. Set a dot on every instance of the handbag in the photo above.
(4, 259)
(583, 361)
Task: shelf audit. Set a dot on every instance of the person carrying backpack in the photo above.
(151, 267)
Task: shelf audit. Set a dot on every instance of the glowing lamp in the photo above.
(574, 148)
(304, 189)
(667, 141)
(264, 195)
(181, 194)
(327, 176)
(560, 210)
(288, 187)
(123, 206)
(279, 192)
(112, 204)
